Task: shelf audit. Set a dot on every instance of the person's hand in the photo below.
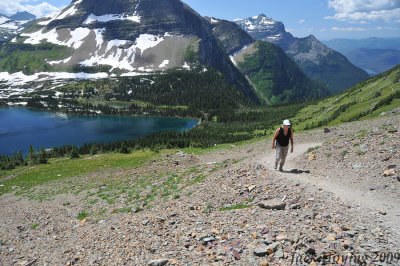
(291, 150)
(273, 146)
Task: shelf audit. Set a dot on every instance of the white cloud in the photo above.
(388, 10)
(38, 9)
(347, 29)
(301, 21)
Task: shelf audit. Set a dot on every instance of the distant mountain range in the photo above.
(374, 55)
(316, 60)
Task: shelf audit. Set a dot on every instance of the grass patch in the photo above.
(27, 177)
(311, 149)
(34, 226)
(208, 208)
(123, 210)
(235, 207)
(362, 133)
(82, 215)
(360, 152)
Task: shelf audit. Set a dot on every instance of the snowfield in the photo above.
(19, 78)
(52, 36)
(110, 17)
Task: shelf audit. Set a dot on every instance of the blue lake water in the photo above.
(21, 127)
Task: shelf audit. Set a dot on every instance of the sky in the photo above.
(325, 19)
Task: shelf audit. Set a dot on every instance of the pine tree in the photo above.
(93, 149)
(124, 148)
(74, 153)
(42, 158)
(32, 156)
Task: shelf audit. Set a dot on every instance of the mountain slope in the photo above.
(128, 37)
(315, 59)
(10, 26)
(277, 77)
(231, 37)
(366, 99)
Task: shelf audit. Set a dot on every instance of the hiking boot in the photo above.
(280, 168)
(276, 166)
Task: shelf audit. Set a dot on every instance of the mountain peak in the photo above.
(312, 37)
(260, 16)
(262, 27)
(23, 16)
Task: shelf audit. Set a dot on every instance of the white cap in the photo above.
(286, 122)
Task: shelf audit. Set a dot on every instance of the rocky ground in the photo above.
(339, 195)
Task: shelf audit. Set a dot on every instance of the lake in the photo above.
(21, 127)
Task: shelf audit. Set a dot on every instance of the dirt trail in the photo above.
(350, 192)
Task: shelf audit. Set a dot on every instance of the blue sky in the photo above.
(326, 19)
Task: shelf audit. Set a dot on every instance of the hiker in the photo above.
(281, 143)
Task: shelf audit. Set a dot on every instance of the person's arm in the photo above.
(274, 139)
(291, 140)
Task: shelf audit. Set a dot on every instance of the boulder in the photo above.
(273, 204)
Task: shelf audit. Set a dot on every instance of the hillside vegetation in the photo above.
(275, 76)
(365, 100)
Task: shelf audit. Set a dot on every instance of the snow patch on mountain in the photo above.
(19, 78)
(3, 19)
(257, 23)
(62, 14)
(60, 61)
(164, 63)
(122, 53)
(69, 12)
(110, 17)
(10, 25)
(52, 36)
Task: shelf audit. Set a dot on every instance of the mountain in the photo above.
(367, 99)
(231, 37)
(7, 24)
(121, 37)
(315, 59)
(374, 55)
(275, 76)
(10, 26)
(23, 16)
